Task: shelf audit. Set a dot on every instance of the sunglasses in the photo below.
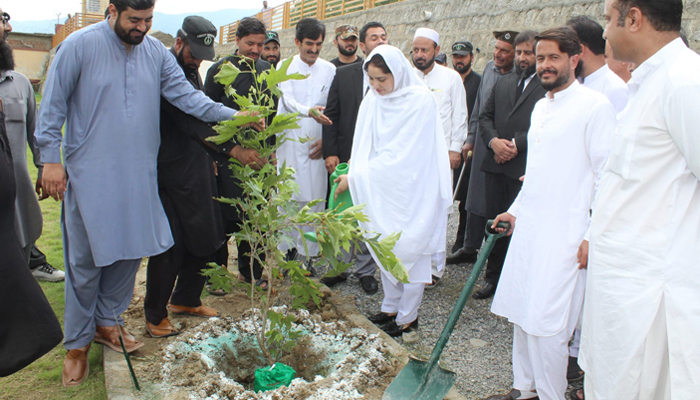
(5, 17)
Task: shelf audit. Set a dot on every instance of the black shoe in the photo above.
(309, 267)
(393, 330)
(512, 395)
(292, 254)
(462, 256)
(369, 284)
(333, 280)
(574, 373)
(487, 290)
(382, 318)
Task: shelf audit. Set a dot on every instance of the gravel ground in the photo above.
(479, 350)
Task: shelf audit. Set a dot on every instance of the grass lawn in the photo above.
(42, 379)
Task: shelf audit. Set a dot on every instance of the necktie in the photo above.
(521, 87)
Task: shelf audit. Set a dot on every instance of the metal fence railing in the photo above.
(74, 23)
(288, 14)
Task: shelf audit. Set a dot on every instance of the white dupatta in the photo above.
(400, 168)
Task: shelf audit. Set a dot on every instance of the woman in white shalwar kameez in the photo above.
(400, 171)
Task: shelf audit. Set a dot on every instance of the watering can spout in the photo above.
(343, 202)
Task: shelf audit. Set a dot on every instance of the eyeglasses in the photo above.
(5, 18)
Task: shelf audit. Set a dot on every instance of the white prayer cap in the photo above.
(428, 34)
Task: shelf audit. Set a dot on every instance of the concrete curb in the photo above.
(120, 387)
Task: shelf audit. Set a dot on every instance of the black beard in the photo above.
(124, 35)
(346, 53)
(463, 69)
(272, 59)
(560, 81)
(428, 64)
(188, 68)
(7, 58)
(525, 73)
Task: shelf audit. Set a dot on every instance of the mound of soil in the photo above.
(218, 358)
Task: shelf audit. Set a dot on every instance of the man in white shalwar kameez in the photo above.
(448, 89)
(641, 320)
(593, 74)
(542, 285)
(307, 97)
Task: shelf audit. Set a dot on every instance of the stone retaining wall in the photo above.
(473, 20)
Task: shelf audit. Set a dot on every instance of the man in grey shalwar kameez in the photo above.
(20, 111)
(105, 83)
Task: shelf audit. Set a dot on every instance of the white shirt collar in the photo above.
(572, 88)
(432, 72)
(652, 63)
(599, 73)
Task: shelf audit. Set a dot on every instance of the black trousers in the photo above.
(36, 258)
(461, 195)
(500, 193)
(244, 258)
(475, 230)
(471, 226)
(176, 264)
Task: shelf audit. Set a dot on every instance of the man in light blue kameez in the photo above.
(105, 84)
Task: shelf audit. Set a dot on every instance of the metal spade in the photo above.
(421, 380)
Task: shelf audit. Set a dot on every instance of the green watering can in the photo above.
(344, 199)
(421, 380)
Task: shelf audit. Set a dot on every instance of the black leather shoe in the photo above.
(381, 318)
(512, 395)
(369, 284)
(462, 256)
(292, 254)
(487, 290)
(309, 267)
(394, 330)
(333, 280)
(574, 373)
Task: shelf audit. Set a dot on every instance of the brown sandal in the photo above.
(109, 336)
(162, 330)
(76, 367)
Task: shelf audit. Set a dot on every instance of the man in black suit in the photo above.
(462, 59)
(250, 38)
(346, 93)
(344, 98)
(503, 124)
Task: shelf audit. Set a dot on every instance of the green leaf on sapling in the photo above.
(227, 73)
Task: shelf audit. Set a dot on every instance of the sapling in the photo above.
(270, 213)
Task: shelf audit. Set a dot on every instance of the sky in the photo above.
(32, 10)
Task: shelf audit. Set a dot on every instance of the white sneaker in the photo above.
(48, 273)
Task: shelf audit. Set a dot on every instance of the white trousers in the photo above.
(295, 239)
(402, 299)
(539, 362)
(437, 264)
(576, 343)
